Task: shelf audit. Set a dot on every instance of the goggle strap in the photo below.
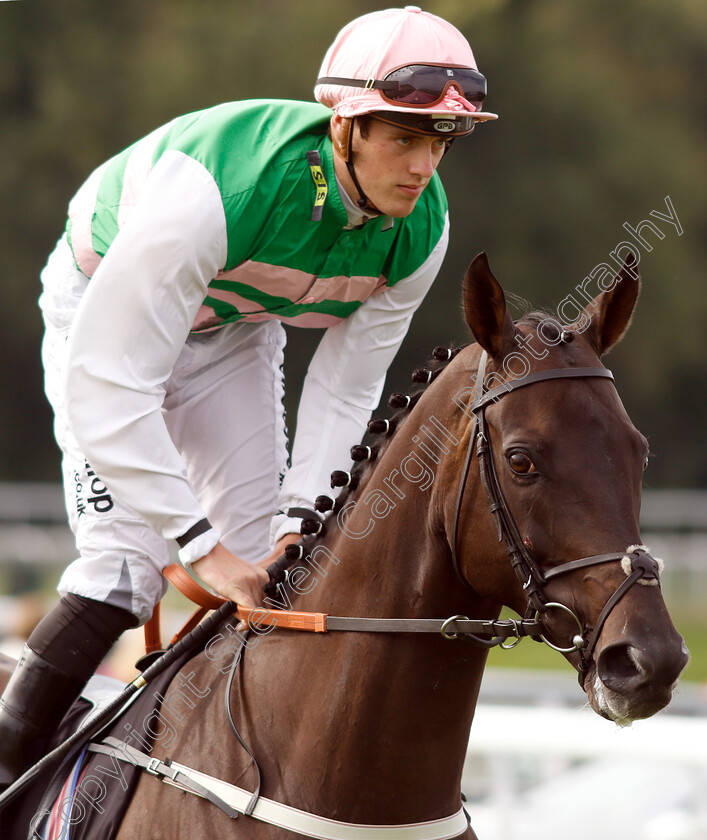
(385, 85)
(367, 84)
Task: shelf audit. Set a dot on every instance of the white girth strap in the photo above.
(311, 825)
(232, 799)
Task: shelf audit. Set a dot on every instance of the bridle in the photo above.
(507, 633)
(533, 578)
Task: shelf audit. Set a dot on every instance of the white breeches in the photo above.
(223, 409)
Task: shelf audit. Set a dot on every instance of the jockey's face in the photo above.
(393, 165)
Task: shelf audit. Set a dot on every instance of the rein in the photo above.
(457, 625)
(499, 631)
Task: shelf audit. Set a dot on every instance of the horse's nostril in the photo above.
(619, 668)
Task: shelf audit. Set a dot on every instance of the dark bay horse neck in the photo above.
(372, 728)
(399, 706)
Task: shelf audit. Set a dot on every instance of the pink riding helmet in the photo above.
(374, 45)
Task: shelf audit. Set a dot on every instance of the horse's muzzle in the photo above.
(633, 682)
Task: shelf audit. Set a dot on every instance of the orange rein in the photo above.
(257, 616)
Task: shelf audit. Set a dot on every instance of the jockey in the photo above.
(164, 304)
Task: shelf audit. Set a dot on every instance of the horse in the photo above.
(512, 479)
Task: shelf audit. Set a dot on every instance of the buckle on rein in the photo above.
(499, 640)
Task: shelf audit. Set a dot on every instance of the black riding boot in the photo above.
(62, 653)
(31, 708)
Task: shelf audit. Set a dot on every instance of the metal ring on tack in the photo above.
(577, 640)
(505, 645)
(443, 628)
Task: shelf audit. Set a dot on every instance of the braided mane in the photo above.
(382, 431)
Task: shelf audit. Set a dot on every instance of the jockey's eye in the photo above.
(520, 463)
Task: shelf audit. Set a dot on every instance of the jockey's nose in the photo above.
(425, 159)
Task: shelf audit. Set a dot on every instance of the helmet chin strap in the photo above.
(363, 202)
(345, 149)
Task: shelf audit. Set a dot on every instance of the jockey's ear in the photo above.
(340, 135)
(485, 309)
(610, 312)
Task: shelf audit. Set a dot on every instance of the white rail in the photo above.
(566, 774)
(33, 525)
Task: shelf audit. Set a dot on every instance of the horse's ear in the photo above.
(610, 313)
(485, 308)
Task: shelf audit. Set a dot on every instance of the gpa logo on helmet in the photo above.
(444, 126)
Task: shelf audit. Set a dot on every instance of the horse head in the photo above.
(566, 463)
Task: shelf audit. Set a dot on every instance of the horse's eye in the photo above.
(520, 463)
(645, 463)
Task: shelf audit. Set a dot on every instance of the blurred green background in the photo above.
(602, 115)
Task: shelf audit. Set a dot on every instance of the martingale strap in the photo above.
(450, 628)
(234, 800)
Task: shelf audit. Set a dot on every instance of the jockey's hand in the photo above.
(279, 550)
(231, 576)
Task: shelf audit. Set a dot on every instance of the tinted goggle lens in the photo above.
(424, 84)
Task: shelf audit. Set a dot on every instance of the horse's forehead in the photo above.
(569, 408)
(542, 339)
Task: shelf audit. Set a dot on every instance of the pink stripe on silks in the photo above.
(137, 170)
(81, 215)
(277, 280)
(206, 319)
(253, 311)
(293, 284)
(312, 320)
(346, 289)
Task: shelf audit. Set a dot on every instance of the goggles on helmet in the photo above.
(419, 85)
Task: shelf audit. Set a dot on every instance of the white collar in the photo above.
(355, 215)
